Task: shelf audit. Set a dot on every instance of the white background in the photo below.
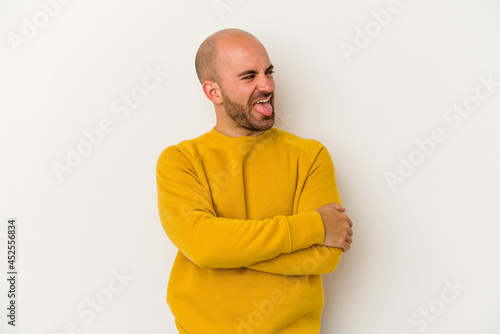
(439, 224)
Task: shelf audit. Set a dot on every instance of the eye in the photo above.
(270, 72)
(249, 77)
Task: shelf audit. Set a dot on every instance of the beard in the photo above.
(242, 114)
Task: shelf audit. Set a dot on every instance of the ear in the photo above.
(212, 92)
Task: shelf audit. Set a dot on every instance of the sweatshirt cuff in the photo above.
(306, 229)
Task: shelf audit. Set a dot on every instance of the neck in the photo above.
(236, 131)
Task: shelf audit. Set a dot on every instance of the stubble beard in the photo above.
(242, 114)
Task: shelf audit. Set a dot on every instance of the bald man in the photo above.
(254, 210)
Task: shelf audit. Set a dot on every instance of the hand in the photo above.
(338, 226)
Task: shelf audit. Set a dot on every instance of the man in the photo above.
(252, 209)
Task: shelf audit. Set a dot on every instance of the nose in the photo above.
(265, 84)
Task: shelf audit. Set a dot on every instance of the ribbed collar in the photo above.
(217, 137)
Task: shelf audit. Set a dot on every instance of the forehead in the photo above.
(238, 54)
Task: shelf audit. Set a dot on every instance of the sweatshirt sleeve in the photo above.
(188, 217)
(320, 188)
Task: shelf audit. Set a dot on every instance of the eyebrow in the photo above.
(247, 72)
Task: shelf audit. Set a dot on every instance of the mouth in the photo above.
(264, 107)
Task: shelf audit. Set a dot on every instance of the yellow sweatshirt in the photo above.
(241, 211)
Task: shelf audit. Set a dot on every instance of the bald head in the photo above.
(209, 52)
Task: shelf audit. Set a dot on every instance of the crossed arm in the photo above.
(308, 242)
(323, 257)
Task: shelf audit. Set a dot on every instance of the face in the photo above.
(247, 84)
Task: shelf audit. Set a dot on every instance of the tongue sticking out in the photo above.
(264, 108)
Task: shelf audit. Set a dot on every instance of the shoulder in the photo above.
(185, 151)
(310, 147)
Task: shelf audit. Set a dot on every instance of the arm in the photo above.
(313, 260)
(190, 221)
(320, 188)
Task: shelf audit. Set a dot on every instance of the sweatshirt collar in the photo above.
(218, 137)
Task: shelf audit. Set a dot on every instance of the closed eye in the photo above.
(250, 74)
(270, 70)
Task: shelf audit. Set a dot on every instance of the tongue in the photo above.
(264, 108)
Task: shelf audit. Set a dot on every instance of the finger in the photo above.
(346, 247)
(349, 231)
(338, 207)
(349, 221)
